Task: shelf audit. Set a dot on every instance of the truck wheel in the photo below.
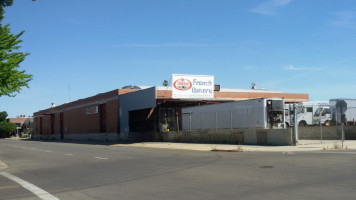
(302, 123)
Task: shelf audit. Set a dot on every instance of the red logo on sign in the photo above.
(182, 84)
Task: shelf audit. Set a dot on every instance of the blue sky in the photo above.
(295, 46)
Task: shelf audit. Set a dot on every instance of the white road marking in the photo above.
(101, 158)
(30, 187)
(289, 153)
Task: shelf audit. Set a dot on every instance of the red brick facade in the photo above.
(76, 119)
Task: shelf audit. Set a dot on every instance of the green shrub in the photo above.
(6, 128)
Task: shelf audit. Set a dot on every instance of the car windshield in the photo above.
(317, 112)
(299, 109)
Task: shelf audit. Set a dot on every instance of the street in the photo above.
(91, 171)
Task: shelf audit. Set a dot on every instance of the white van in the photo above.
(305, 112)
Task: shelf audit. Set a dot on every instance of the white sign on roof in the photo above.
(192, 86)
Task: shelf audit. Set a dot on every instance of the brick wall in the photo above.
(76, 120)
(112, 116)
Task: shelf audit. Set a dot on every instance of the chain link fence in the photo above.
(327, 122)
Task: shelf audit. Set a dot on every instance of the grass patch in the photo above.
(337, 146)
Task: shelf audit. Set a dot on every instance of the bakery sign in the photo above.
(192, 86)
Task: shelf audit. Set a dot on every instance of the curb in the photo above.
(227, 150)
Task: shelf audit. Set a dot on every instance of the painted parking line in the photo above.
(30, 187)
(9, 187)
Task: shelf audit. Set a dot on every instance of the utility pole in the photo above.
(295, 124)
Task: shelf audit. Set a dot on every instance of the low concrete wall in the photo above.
(223, 136)
(350, 132)
(250, 137)
(207, 136)
(238, 136)
(107, 137)
(143, 137)
(326, 133)
(47, 137)
(280, 137)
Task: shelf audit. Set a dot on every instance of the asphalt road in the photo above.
(87, 171)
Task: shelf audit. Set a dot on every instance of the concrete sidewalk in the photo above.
(303, 145)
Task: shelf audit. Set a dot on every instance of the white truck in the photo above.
(322, 115)
(256, 113)
(305, 112)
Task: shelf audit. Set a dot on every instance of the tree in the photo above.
(6, 127)
(3, 116)
(11, 78)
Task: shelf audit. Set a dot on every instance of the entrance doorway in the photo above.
(102, 116)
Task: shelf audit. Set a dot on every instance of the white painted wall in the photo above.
(138, 100)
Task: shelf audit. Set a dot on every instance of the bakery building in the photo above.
(135, 113)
